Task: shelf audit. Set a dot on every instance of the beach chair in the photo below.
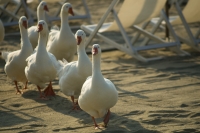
(135, 14)
(12, 16)
(189, 15)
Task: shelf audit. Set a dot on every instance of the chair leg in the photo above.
(143, 59)
(176, 49)
(185, 24)
(155, 27)
(101, 21)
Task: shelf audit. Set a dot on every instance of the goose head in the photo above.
(96, 50)
(42, 26)
(43, 6)
(80, 37)
(67, 8)
(23, 22)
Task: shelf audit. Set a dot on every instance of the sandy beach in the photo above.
(161, 96)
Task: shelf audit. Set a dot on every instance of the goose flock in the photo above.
(46, 55)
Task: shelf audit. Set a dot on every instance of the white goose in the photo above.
(74, 74)
(2, 31)
(98, 94)
(63, 43)
(32, 31)
(41, 66)
(16, 61)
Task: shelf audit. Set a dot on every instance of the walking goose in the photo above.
(42, 65)
(62, 43)
(32, 31)
(98, 94)
(16, 60)
(73, 74)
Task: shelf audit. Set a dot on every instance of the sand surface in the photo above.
(159, 96)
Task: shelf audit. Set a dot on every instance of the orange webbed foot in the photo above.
(49, 90)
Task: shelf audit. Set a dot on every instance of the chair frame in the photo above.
(193, 42)
(128, 47)
(22, 4)
(13, 15)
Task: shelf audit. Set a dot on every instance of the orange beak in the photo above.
(71, 11)
(46, 8)
(79, 39)
(24, 23)
(40, 28)
(94, 51)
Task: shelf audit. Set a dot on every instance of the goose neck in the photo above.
(81, 49)
(64, 22)
(42, 40)
(24, 35)
(81, 54)
(41, 51)
(96, 68)
(40, 14)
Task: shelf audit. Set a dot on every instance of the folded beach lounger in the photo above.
(189, 15)
(135, 14)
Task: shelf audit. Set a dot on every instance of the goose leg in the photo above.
(18, 91)
(75, 104)
(25, 87)
(95, 124)
(106, 119)
(49, 90)
(41, 95)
